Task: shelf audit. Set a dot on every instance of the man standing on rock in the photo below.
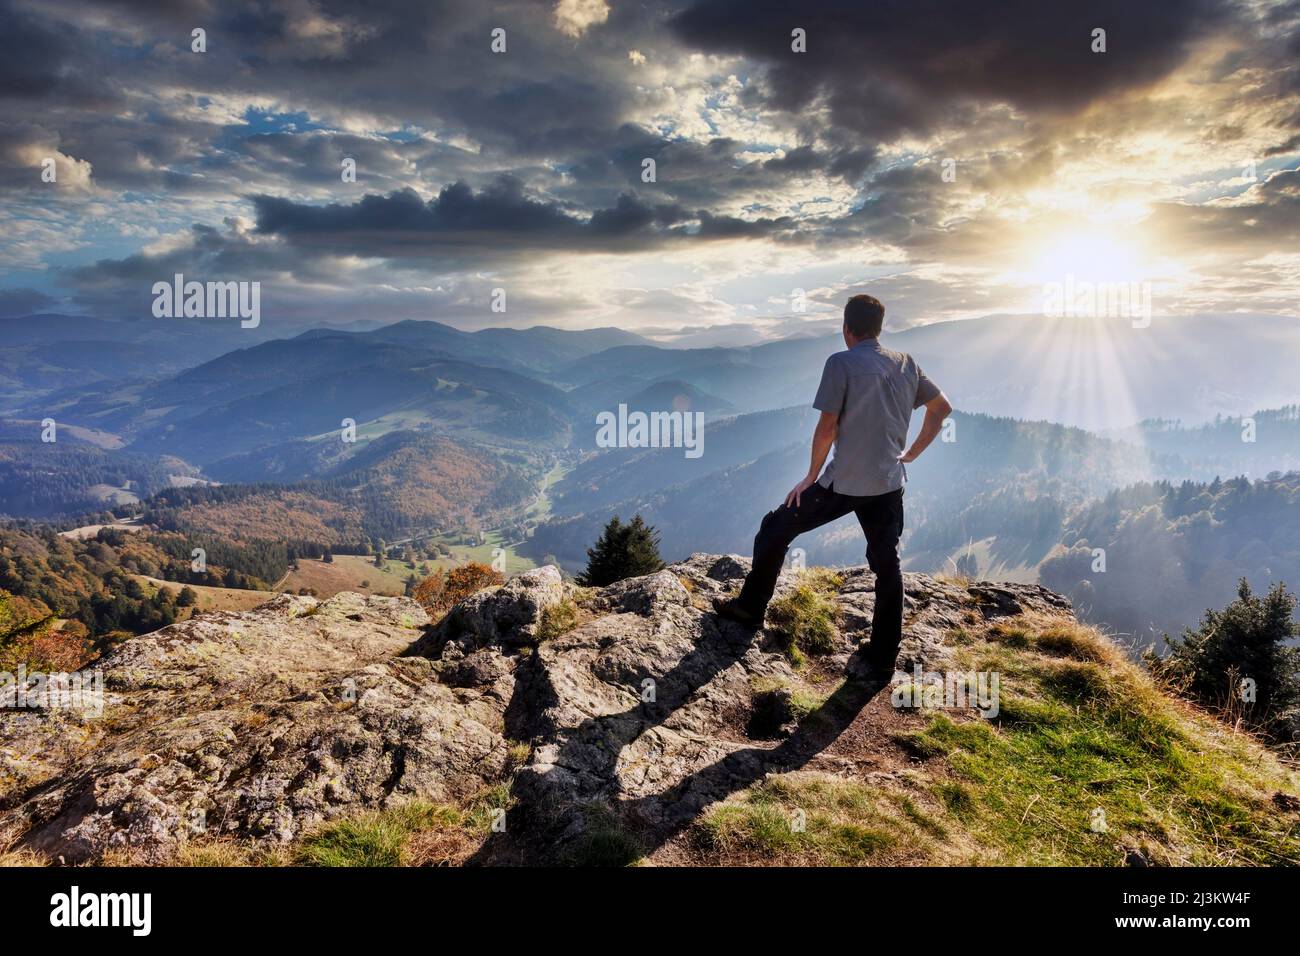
(866, 398)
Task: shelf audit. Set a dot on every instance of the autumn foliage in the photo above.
(31, 637)
(439, 592)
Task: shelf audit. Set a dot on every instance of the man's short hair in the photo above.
(864, 316)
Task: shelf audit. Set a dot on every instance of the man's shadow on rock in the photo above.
(552, 811)
(667, 814)
(583, 775)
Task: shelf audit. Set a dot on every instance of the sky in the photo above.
(951, 162)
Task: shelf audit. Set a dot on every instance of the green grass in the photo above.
(374, 839)
(823, 580)
(413, 834)
(804, 617)
(482, 553)
(226, 853)
(777, 701)
(1074, 737)
(1053, 636)
(557, 619)
(390, 578)
(804, 702)
(517, 755)
(540, 509)
(812, 819)
(605, 842)
(1082, 735)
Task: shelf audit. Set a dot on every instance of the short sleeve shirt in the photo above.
(874, 391)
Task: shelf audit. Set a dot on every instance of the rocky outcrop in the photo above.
(263, 724)
(506, 616)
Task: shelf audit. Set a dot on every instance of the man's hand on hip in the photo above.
(936, 410)
(792, 499)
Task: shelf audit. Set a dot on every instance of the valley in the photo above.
(481, 446)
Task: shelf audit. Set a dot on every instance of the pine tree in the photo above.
(622, 551)
(1249, 640)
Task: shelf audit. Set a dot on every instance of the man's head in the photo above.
(863, 318)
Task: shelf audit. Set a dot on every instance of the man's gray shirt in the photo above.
(873, 391)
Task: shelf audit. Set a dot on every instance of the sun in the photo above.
(1089, 254)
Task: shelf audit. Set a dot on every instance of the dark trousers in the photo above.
(881, 518)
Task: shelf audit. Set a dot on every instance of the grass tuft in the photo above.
(804, 617)
(605, 842)
(557, 619)
(777, 705)
(378, 838)
(815, 819)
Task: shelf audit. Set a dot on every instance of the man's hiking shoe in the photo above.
(732, 610)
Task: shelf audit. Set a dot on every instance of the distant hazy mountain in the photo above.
(275, 411)
(996, 499)
(667, 395)
(539, 348)
(40, 354)
(621, 475)
(1252, 445)
(1007, 499)
(1091, 373)
(295, 389)
(749, 379)
(716, 502)
(1105, 373)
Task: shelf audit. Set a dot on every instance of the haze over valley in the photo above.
(492, 433)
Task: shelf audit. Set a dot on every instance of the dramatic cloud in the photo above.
(666, 165)
(497, 220)
(889, 68)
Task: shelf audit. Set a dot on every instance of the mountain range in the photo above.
(346, 435)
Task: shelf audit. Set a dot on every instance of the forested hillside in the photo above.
(91, 581)
(996, 476)
(397, 484)
(1173, 550)
(1253, 445)
(70, 477)
(461, 433)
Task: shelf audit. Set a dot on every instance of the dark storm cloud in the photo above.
(413, 61)
(23, 302)
(44, 63)
(498, 218)
(706, 173)
(209, 251)
(398, 62)
(886, 68)
(295, 246)
(383, 65)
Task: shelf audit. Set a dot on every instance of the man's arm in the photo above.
(828, 426)
(936, 410)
